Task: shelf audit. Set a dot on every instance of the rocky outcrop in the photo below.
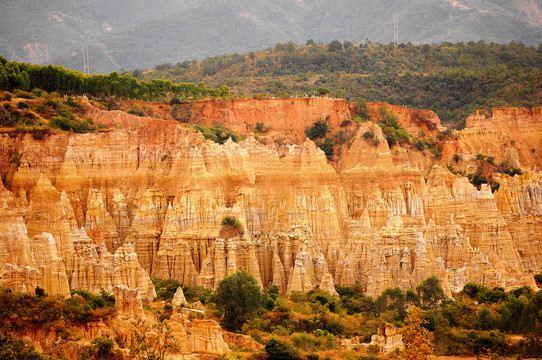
(512, 135)
(388, 339)
(148, 201)
(178, 298)
(108, 270)
(519, 200)
(240, 341)
(287, 116)
(197, 336)
(128, 303)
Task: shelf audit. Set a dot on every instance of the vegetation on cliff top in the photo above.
(41, 113)
(453, 80)
(23, 76)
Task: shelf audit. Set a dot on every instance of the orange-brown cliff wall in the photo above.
(513, 135)
(151, 199)
(289, 116)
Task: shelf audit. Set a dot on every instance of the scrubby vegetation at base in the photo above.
(21, 313)
(477, 321)
(16, 349)
(19, 310)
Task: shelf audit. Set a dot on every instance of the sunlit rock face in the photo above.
(96, 211)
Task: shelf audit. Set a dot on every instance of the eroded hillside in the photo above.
(147, 200)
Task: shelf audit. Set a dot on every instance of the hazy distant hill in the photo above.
(133, 34)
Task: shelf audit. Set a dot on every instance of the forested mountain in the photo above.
(454, 80)
(139, 33)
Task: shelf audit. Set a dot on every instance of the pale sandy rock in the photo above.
(99, 223)
(178, 298)
(51, 266)
(95, 268)
(46, 214)
(197, 336)
(128, 303)
(380, 217)
(519, 199)
(27, 263)
(127, 271)
(509, 134)
(388, 339)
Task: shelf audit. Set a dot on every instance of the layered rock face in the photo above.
(131, 204)
(290, 116)
(512, 135)
(197, 336)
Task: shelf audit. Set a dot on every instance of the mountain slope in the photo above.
(37, 31)
(140, 34)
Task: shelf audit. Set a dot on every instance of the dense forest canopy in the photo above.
(454, 80)
(24, 76)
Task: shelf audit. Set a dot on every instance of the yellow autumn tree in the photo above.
(415, 337)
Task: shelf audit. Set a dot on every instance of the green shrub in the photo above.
(199, 293)
(62, 123)
(471, 289)
(22, 105)
(12, 349)
(327, 146)
(323, 298)
(77, 310)
(279, 350)
(485, 320)
(489, 296)
(15, 158)
(318, 130)
(261, 128)
(103, 345)
(220, 134)
(40, 133)
(323, 91)
(298, 296)
(39, 292)
(24, 94)
(230, 222)
(368, 135)
(430, 292)
(362, 110)
(96, 301)
(304, 341)
(165, 288)
(373, 349)
(238, 297)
